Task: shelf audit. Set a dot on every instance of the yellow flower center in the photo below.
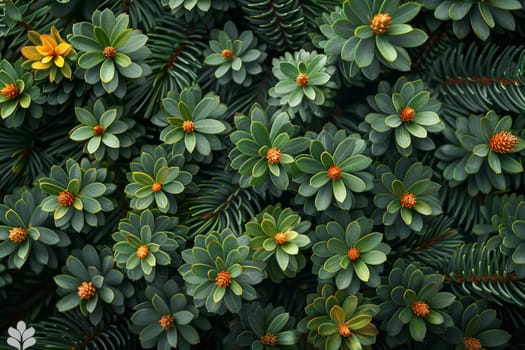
(280, 238)
(269, 339)
(188, 126)
(98, 130)
(273, 156)
(10, 91)
(66, 198)
(302, 79)
(142, 252)
(344, 330)
(420, 308)
(86, 290)
(156, 186)
(227, 54)
(353, 254)
(223, 279)
(334, 172)
(407, 114)
(109, 52)
(503, 142)
(471, 343)
(17, 234)
(167, 322)
(381, 22)
(408, 200)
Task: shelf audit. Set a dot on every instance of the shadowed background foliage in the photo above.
(263, 174)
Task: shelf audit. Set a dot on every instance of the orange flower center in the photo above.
(109, 52)
(407, 114)
(302, 79)
(471, 343)
(86, 290)
(269, 339)
(503, 142)
(10, 91)
(344, 330)
(353, 254)
(167, 322)
(381, 22)
(223, 279)
(17, 234)
(142, 252)
(334, 172)
(66, 198)
(420, 308)
(273, 156)
(280, 238)
(408, 200)
(188, 126)
(227, 54)
(156, 186)
(98, 130)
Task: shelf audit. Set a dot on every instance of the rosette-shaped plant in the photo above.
(265, 328)
(475, 327)
(482, 16)
(511, 237)
(25, 235)
(480, 150)
(167, 319)
(102, 130)
(412, 303)
(109, 51)
(89, 281)
(333, 171)
(404, 196)
(264, 149)
(403, 116)
(50, 56)
(203, 5)
(157, 176)
(305, 83)
(18, 95)
(145, 241)
(339, 321)
(77, 195)
(372, 33)
(193, 119)
(219, 273)
(238, 57)
(277, 235)
(350, 253)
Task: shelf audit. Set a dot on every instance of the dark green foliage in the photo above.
(263, 174)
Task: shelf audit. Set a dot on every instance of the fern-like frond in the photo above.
(176, 57)
(279, 23)
(71, 330)
(26, 153)
(476, 79)
(458, 204)
(434, 245)
(219, 203)
(143, 14)
(476, 269)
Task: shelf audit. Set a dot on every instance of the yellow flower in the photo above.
(49, 52)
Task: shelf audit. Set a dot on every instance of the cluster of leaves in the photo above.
(319, 175)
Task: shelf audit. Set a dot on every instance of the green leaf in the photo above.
(385, 48)
(361, 270)
(209, 126)
(418, 329)
(107, 71)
